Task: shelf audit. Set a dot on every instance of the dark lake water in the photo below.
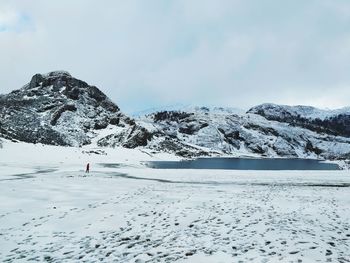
(245, 164)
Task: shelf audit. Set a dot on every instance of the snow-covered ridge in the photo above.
(58, 109)
(298, 110)
(334, 122)
(188, 108)
(252, 134)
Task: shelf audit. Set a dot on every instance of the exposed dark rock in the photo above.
(231, 137)
(114, 121)
(171, 116)
(58, 113)
(35, 81)
(255, 148)
(72, 93)
(310, 148)
(138, 137)
(101, 124)
(188, 129)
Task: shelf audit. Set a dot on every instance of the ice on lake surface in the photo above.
(125, 212)
(245, 164)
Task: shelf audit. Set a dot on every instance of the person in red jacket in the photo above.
(87, 168)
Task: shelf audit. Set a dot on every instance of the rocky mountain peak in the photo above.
(60, 85)
(53, 77)
(56, 108)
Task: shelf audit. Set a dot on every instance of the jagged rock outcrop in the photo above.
(58, 109)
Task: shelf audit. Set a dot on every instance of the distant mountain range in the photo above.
(184, 107)
(58, 109)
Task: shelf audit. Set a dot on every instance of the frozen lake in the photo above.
(245, 164)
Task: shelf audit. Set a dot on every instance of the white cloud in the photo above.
(203, 74)
(147, 53)
(9, 18)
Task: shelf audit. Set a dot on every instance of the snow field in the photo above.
(123, 212)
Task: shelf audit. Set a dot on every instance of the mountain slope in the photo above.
(335, 122)
(246, 134)
(58, 109)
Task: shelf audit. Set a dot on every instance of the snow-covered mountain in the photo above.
(58, 109)
(301, 111)
(335, 122)
(251, 133)
(186, 107)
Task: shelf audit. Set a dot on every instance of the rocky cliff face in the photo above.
(58, 109)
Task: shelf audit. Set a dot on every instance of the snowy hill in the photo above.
(58, 109)
(335, 122)
(246, 134)
(270, 110)
(184, 107)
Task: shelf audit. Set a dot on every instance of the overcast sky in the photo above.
(144, 54)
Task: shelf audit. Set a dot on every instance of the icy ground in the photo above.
(123, 212)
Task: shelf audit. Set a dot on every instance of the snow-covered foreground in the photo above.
(123, 212)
